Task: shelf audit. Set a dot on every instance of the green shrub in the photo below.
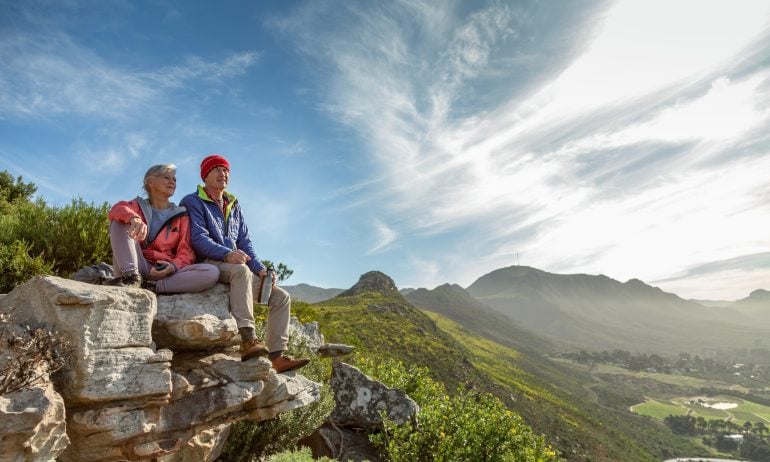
(69, 237)
(16, 265)
(57, 240)
(300, 455)
(469, 426)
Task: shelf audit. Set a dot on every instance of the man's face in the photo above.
(217, 178)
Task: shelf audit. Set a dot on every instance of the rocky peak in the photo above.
(373, 281)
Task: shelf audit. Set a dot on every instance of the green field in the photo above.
(744, 411)
(658, 410)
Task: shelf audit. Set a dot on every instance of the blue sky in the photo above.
(432, 140)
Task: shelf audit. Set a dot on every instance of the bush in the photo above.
(16, 265)
(70, 237)
(469, 426)
(56, 240)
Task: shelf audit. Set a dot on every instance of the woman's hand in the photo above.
(156, 274)
(137, 230)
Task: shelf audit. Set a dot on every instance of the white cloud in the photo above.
(640, 196)
(385, 235)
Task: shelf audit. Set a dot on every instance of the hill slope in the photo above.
(596, 312)
(557, 401)
(455, 303)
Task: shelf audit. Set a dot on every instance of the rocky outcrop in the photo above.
(127, 395)
(32, 424)
(373, 281)
(359, 404)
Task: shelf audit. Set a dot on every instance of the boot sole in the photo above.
(293, 368)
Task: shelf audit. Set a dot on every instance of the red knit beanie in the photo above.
(211, 162)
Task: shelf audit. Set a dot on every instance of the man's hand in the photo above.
(237, 257)
(263, 273)
(137, 230)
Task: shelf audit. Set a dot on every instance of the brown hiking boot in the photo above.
(252, 349)
(288, 363)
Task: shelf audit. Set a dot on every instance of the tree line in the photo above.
(754, 446)
(685, 363)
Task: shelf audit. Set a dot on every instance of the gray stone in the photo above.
(307, 335)
(334, 350)
(359, 400)
(195, 321)
(33, 426)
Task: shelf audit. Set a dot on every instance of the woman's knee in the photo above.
(210, 274)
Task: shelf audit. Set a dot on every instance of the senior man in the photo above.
(219, 235)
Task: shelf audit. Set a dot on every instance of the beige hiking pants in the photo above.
(244, 286)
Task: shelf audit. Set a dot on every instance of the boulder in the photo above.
(307, 335)
(195, 321)
(33, 425)
(359, 400)
(334, 350)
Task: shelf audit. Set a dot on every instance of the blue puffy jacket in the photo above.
(213, 235)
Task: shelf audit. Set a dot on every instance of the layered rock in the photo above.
(32, 424)
(196, 321)
(128, 400)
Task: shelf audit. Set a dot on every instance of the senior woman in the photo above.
(151, 240)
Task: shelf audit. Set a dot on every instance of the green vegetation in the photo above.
(298, 455)
(658, 410)
(746, 411)
(37, 238)
(582, 419)
(717, 433)
(467, 426)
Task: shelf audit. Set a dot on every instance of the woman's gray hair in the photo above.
(157, 170)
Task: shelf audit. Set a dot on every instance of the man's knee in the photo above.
(279, 296)
(235, 272)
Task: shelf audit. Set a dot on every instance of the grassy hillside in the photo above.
(584, 419)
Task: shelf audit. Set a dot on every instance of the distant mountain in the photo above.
(753, 309)
(597, 312)
(311, 294)
(455, 303)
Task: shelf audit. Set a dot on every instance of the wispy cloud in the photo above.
(619, 156)
(384, 235)
(196, 68)
(49, 74)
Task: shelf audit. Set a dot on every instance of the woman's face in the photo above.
(163, 184)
